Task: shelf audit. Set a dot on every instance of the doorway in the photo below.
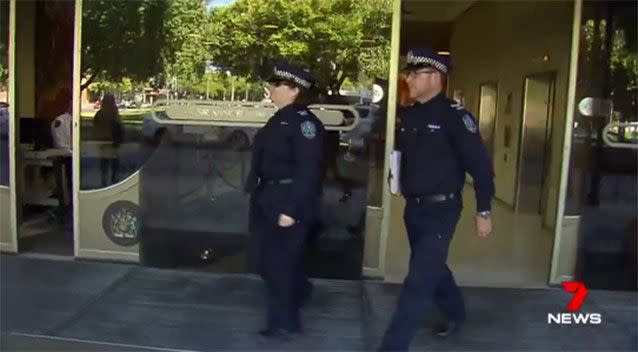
(524, 66)
(44, 40)
(598, 243)
(174, 192)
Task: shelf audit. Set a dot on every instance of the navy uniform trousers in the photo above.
(282, 265)
(430, 227)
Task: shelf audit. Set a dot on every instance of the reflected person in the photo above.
(108, 128)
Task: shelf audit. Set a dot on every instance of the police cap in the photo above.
(425, 57)
(291, 73)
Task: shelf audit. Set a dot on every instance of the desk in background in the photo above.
(34, 189)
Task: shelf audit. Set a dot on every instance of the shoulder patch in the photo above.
(308, 129)
(469, 123)
(302, 112)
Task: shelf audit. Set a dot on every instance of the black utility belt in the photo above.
(282, 181)
(433, 198)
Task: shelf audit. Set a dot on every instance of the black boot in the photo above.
(446, 329)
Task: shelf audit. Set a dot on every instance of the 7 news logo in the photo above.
(571, 317)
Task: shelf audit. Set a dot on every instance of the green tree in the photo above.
(213, 83)
(124, 86)
(337, 39)
(185, 52)
(619, 54)
(122, 39)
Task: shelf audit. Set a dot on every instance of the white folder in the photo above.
(395, 172)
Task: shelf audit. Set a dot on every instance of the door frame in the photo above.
(555, 278)
(75, 112)
(11, 97)
(391, 111)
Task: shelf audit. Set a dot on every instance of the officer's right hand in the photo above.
(484, 226)
(285, 220)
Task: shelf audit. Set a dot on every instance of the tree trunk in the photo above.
(87, 83)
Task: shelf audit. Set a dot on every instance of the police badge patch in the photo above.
(469, 123)
(308, 129)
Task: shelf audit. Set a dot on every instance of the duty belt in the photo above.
(434, 198)
(283, 181)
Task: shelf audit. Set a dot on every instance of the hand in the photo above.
(285, 220)
(484, 226)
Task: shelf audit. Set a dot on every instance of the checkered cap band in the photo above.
(290, 76)
(424, 60)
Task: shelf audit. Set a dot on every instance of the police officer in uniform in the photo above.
(439, 142)
(285, 180)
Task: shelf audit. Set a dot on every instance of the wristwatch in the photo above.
(485, 214)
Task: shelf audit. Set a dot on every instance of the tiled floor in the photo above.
(517, 254)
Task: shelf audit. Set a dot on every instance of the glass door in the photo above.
(601, 206)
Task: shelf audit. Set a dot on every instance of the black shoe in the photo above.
(279, 334)
(447, 329)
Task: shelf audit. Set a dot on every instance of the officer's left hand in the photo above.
(484, 226)
(285, 220)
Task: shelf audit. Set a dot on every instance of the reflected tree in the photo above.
(337, 39)
(122, 39)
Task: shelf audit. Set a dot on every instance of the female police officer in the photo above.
(439, 143)
(286, 178)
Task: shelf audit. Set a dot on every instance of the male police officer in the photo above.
(439, 142)
(286, 169)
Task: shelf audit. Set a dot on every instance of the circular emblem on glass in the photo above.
(121, 223)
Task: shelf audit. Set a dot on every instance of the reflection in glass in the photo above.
(187, 83)
(603, 186)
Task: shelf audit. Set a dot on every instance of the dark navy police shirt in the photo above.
(290, 146)
(439, 142)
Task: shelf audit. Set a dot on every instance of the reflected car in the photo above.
(357, 139)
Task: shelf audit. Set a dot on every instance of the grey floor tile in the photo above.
(37, 295)
(202, 311)
(515, 319)
(88, 304)
(29, 343)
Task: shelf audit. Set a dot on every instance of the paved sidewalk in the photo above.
(87, 306)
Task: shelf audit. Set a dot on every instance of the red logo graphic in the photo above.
(580, 292)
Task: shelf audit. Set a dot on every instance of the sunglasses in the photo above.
(279, 83)
(417, 73)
